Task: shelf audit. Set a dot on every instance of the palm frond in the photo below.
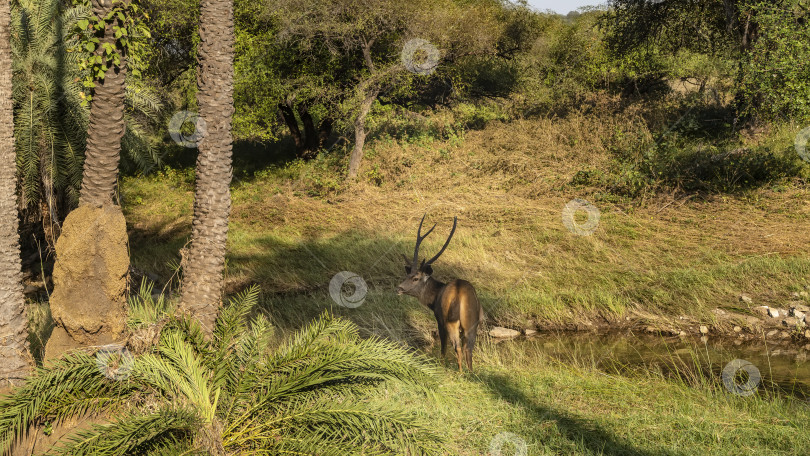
(70, 387)
(129, 433)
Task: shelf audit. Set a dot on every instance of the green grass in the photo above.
(562, 409)
(294, 226)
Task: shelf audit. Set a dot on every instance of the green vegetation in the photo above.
(675, 119)
(238, 393)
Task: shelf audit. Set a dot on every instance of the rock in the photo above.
(718, 311)
(784, 334)
(772, 333)
(704, 330)
(762, 310)
(804, 294)
(651, 329)
(704, 339)
(797, 313)
(807, 334)
(799, 305)
(773, 313)
(746, 299)
(503, 333)
(683, 334)
(531, 332)
(737, 329)
(90, 278)
(738, 342)
(790, 322)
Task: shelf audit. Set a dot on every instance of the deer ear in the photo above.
(427, 269)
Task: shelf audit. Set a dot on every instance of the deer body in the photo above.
(455, 304)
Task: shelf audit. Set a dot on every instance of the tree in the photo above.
(51, 116)
(368, 37)
(15, 359)
(106, 121)
(204, 264)
(233, 394)
(764, 40)
(88, 303)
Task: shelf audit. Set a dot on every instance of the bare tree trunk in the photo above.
(202, 276)
(15, 359)
(310, 132)
(324, 130)
(360, 133)
(288, 115)
(106, 127)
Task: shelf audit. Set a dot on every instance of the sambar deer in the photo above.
(454, 304)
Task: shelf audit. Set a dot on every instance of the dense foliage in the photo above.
(302, 78)
(50, 113)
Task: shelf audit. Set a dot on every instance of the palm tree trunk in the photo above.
(203, 268)
(15, 359)
(106, 127)
(88, 303)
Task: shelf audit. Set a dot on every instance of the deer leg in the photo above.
(453, 331)
(469, 344)
(443, 337)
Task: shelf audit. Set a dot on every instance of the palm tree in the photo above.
(15, 359)
(88, 303)
(50, 119)
(202, 274)
(106, 125)
(233, 394)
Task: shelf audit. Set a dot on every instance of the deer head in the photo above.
(418, 274)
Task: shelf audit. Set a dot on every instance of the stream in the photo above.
(767, 367)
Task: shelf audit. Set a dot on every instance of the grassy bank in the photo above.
(294, 225)
(562, 409)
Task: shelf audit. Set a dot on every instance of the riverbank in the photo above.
(668, 262)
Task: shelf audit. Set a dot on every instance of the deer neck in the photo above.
(430, 292)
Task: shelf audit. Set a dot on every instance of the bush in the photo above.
(231, 395)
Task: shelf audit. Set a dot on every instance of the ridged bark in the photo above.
(203, 268)
(88, 303)
(106, 127)
(15, 359)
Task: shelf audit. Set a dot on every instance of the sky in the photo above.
(562, 6)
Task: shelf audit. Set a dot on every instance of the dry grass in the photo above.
(663, 254)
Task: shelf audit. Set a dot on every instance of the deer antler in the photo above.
(419, 239)
(446, 243)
